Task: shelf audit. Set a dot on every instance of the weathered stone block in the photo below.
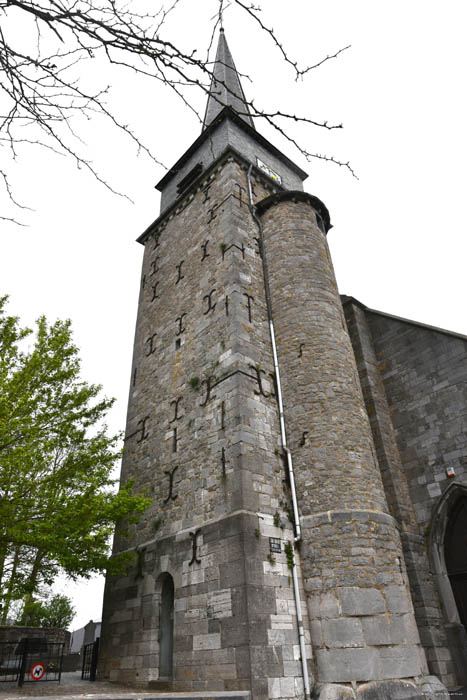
(389, 690)
(219, 603)
(384, 629)
(127, 662)
(341, 665)
(287, 686)
(234, 633)
(316, 633)
(401, 662)
(221, 671)
(361, 601)
(433, 689)
(397, 599)
(334, 692)
(343, 632)
(206, 641)
(274, 688)
(292, 668)
(323, 605)
(281, 637)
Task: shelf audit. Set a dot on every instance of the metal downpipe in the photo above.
(297, 538)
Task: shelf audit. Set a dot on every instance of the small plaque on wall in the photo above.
(275, 545)
(269, 171)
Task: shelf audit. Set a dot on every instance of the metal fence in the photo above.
(10, 662)
(90, 656)
(30, 661)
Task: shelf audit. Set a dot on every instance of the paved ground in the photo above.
(72, 687)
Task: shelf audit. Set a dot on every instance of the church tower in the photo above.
(268, 563)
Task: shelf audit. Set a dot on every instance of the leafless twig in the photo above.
(43, 99)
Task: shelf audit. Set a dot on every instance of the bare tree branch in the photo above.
(299, 72)
(42, 95)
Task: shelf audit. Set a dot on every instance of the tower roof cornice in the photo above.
(226, 88)
(228, 154)
(230, 114)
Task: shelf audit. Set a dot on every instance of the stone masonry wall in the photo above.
(227, 133)
(54, 635)
(363, 626)
(202, 439)
(424, 373)
(425, 378)
(424, 593)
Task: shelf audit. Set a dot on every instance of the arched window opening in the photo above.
(455, 554)
(448, 554)
(166, 626)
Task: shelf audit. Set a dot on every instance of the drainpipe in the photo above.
(297, 538)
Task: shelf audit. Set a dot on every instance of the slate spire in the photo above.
(226, 88)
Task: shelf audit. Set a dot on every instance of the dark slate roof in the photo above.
(226, 88)
(228, 113)
(348, 299)
(296, 196)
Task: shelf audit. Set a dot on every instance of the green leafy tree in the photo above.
(58, 506)
(56, 611)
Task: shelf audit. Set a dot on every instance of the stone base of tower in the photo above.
(427, 688)
(366, 642)
(232, 609)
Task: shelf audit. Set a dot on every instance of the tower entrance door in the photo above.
(166, 629)
(455, 552)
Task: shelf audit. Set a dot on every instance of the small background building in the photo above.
(84, 635)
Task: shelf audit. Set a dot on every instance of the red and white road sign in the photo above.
(37, 671)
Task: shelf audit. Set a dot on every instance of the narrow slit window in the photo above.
(189, 178)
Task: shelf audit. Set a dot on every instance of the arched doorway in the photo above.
(166, 626)
(455, 554)
(447, 545)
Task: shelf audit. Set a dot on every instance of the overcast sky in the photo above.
(398, 241)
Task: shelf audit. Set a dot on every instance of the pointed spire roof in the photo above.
(226, 88)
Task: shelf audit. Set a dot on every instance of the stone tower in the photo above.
(268, 563)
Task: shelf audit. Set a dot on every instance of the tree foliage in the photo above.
(58, 508)
(41, 87)
(54, 611)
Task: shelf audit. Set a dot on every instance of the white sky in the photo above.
(398, 241)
